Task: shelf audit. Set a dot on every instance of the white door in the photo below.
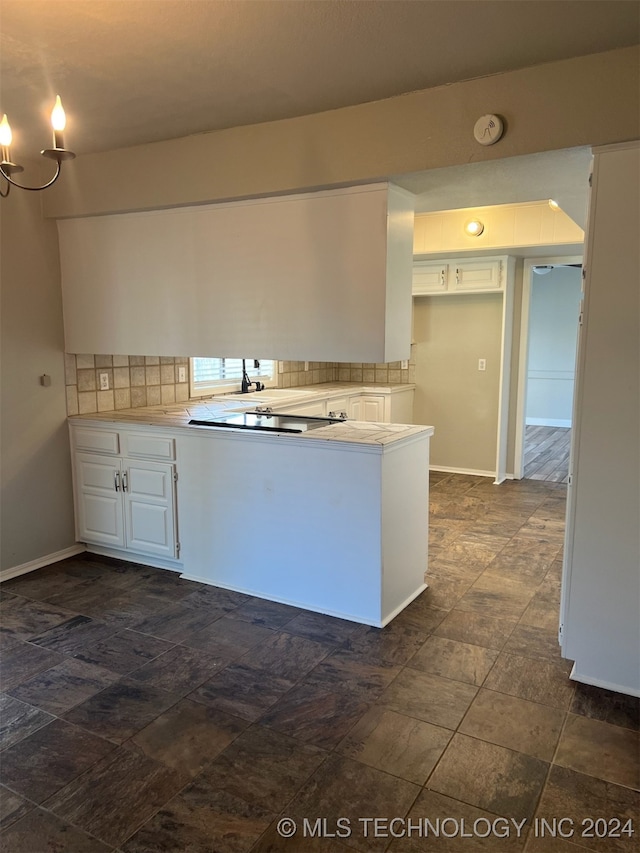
(98, 483)
(149, 507)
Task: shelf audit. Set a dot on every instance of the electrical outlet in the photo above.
(182, 374)
(306, 365)
(104, 381)
(280, 367)
(482, 364)
(404, 365)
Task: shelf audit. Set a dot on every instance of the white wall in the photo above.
(37, 504)
(553, 330)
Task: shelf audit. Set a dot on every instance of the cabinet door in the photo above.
(429, 277)
(372, 408)
(149, 507)
(98, 481)
(355, 408)
(476, 275)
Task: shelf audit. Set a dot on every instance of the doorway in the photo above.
(551, 299)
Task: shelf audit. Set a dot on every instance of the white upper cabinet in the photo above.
(322, 276)
(459, 276)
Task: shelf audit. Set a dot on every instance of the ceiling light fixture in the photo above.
(554, 204)
(474, 228)
(57, 153)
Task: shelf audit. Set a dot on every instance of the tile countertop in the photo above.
(179, 414)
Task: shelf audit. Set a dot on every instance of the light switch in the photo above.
(104, 381)
(482, 364)
(182, 374)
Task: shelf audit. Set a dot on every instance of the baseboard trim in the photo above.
(445, 469)
(550, 422)
(32, 565)
(605, 685)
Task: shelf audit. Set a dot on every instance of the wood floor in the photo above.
(546, 453)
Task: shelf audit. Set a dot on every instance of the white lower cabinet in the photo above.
(372, 408)
(126, 504)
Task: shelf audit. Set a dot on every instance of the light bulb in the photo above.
(58, 122)
(474, 228)
(58, 118)
(5, 132)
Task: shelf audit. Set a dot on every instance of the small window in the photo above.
(218, 375)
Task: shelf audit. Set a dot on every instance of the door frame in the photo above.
(523, 356)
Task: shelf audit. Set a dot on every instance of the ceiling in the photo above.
(138, 71)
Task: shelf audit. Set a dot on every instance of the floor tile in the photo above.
(452, 825)
(287, 655)
(600, 749)
(265, 767)
(230, 638)
(18, 720)
(544, 842)
(315, 715)
(534, 642)
(273, 842)
(443, 592)
(188, 736)
(39, 827)
(580, 798)
(12, 807)
(397, 744)
(346, 671)
(21, 661)
(177, 622)
(74, 634)
(41, 584)
(121, 710)
(393, 644)
(525, 557)
(269, 614)
(198, 821)
(342, 787)
(421, 613)
(215, 599)
(452, 659)
(607, 706)
(41, 764)
(125, 607)
(497, 596)
(479, 629)
(491, 777)
(321, 628)
(116, 796)
(526, 678)
(180, 670)
(242, 690)
(515, 723)
(431, 698)
(63, 686)
(123, 652)
(23, 618)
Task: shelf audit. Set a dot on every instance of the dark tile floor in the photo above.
(143, 713)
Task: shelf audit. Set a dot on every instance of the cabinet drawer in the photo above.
(104, 441)
(478, 275)
(142, 446)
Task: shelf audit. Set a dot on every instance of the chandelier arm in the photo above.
(31, 189)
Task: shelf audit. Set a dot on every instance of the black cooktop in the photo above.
(268, 422)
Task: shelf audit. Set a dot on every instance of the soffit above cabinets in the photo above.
(320, 277)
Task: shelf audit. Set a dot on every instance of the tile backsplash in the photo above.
(139, 380)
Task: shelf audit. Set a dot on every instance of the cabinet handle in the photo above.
(443, 277)
(457, 276)
(116, 480)
(125, 483)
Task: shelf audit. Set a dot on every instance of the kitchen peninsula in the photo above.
(333, 520)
